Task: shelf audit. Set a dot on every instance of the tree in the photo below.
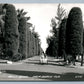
(74, 33)
(52, 46)
(36, 39)
(55, 24)
(1, 9)
(11, 31)
(83, 49)
(60, 14)
(61, 42)
(21, 13)
(83, 40)
(28, 38)
(22, 32)
(54, 30)
(2, 15)
(53, 40)
(22, 37)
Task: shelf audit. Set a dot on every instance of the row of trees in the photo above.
(67, 39)
(53, 41)
(18, 41)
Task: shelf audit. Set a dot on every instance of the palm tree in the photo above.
(21, 13)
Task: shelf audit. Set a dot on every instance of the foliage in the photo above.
(53, 25)
(62, 33)
(54, 39)
(18, 41)
(60, 14)
(83, 40)
(1, 5)
(23, 37)
(74, 32)
(52, 48)
(21, 13)
(17, 57)
(11, 30)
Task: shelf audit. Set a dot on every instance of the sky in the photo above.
(41, 15)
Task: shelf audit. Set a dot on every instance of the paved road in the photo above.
(31, 69)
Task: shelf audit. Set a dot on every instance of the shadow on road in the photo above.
(51, 62)
(58, 63)
(49, 76)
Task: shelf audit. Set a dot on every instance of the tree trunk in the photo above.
(82, 60)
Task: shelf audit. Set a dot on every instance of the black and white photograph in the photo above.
(41, 42)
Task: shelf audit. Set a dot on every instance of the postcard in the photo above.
(41, 41)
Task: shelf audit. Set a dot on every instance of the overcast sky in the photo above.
(41, 15)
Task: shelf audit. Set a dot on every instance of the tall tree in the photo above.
(74, 32)
(22, 32)
(55, 24)
(83, 49)
(11, 31)
(52, 49)
(21, 13)
(36, 39)
(61, 42)
(60, 14)
(22, 37)
(52, 46)
(2, 22)
(28, 38)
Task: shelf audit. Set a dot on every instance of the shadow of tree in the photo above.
(49, 63)
(49, 76)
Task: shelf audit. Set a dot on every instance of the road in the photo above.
(31, 70)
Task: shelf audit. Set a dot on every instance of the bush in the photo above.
(17, 57)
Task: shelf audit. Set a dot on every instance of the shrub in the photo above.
(17, 57)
